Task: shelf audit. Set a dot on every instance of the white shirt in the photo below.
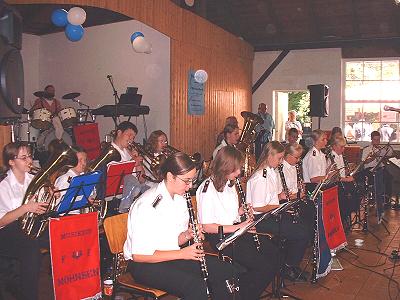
(314, 164)
(290, 173)
(154, 223)
(125, 156)
(12, 192)
(379, 154)
(262, 191)
(215, 207)
(219, 147)
(338, 159)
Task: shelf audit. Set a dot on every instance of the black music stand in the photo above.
(276, 291)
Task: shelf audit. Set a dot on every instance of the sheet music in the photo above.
(395, 161)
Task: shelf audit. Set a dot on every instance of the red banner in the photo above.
(87, 136)
(75, 257)
(334, 232)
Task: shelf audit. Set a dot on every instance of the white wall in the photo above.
(299, 69)
(83, 66)
(30, 57)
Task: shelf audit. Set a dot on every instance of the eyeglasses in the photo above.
(188, 181)
(24, 158)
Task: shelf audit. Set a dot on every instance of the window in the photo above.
(369, 87)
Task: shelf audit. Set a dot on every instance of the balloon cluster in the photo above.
(140, 44)
(71, 20)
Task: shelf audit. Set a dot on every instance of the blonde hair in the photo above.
(293, 148)
(269, 149)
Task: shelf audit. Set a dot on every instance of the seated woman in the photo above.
(264, 192)
(158, 230)
(218, 205)
(157, 143)
(17, 158)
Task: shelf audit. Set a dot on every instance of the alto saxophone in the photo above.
(196, 239)
(246, 210)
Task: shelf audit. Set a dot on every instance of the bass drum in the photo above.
(49, 135)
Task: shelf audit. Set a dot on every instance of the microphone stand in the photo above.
(116, 99)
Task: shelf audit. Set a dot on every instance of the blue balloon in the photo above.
(135, 35)
(74, 32)
(59, 17)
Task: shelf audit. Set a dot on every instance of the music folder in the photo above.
(78, 192)
(115, 176)
(239, 232)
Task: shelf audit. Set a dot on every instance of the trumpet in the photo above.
(390, 108)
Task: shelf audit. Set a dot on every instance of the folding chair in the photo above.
(116, 229)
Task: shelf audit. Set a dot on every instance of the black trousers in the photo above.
(296, 236)
(261, 267)
(349, 199)
(183, 278)
(15, 244)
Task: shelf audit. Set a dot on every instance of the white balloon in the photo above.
(189, 2)
(76, 16)
(200, 76)
(139, 44)
(149, 48)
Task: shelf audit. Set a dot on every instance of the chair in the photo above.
(116, 229)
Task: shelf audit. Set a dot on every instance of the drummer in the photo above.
(48, 101)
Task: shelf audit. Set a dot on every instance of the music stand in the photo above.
(78, 192)
(115, 175)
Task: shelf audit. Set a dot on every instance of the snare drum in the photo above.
(41, 118)
(68, 117)
(26, 133)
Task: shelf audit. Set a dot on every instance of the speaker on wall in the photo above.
(11, 66)
(319, 100)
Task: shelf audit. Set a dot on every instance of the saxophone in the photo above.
(296, 212)
(247, 212)
(196, 239)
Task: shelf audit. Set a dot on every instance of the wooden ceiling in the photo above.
(304, 24)
(37, 17)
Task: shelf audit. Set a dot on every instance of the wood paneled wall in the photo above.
(195, 44)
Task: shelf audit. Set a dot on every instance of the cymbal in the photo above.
(71, 95)
(39, 94)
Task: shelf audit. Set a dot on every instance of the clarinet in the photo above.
(287, 194)
(196, 239)
(247, 212)
(300, 180)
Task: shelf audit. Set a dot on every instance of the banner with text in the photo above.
(324, 257)
(334, 232)
(87, 136)
(195, 96)
(75, 257)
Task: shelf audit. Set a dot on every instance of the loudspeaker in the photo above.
(319, 100)
(11, 66)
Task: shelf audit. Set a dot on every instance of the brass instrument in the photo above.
(40, 189)
(246, 210)
(108, 154)
(195, 157)
(196, 239)
(246, 140)
(151, 163)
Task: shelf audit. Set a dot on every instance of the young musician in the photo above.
(264, 192)
(231, 137)
(314, 163)
(124, 136)
(158, 230)
(157, 142)
(292, 136)
(231, 120)
(218, 205)
(292, 169)
(17, 157)
(63, 181)
(349, 200)
(373, 153)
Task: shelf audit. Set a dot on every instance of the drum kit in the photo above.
(40, 127)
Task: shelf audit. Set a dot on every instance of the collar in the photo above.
(287, 165)
(13, 180)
